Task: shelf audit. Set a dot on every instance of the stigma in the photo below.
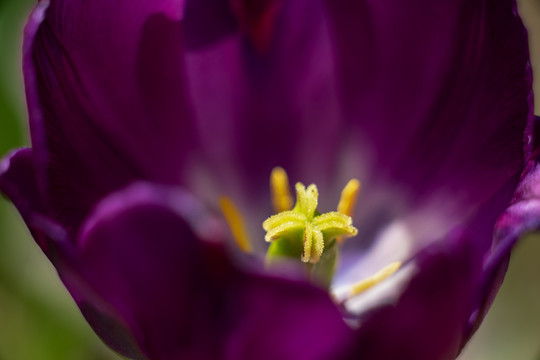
(303, 227)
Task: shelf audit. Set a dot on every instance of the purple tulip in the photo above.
(143, 114)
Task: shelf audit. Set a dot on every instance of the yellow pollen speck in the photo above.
(365, 284)
(236, 224)
(280, 190)
(347, 202)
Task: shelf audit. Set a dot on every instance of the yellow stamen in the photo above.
(236, 224)
(347, 202)
(365, 284)
(280, 190)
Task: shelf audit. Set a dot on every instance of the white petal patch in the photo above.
(392, 244)
(387, 292)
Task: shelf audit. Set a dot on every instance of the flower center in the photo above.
(306, 227)
(303, 234)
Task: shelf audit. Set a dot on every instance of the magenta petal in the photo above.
(521, 217)
(141, 252)
(106, 98)
(419, 88)
(439, 101)
(429, 320)
(18, 181)
(206, 22)
(259, 109)
(279, 319)
(257, 19)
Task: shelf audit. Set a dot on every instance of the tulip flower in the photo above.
(167, 136)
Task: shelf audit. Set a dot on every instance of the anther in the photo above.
(347, 202)
(280, 190)
(236, 224)
(382, 274)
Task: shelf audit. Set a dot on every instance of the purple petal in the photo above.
(428, 321)
(404, 101)
(278, 319)
(207, 22)
(439, 92)
(435, 136)
(521, 217)
(257, 19)
(106, 98)
(141, 252)
(19, 183)
(259, 109)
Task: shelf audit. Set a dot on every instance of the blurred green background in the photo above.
(39, 321)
